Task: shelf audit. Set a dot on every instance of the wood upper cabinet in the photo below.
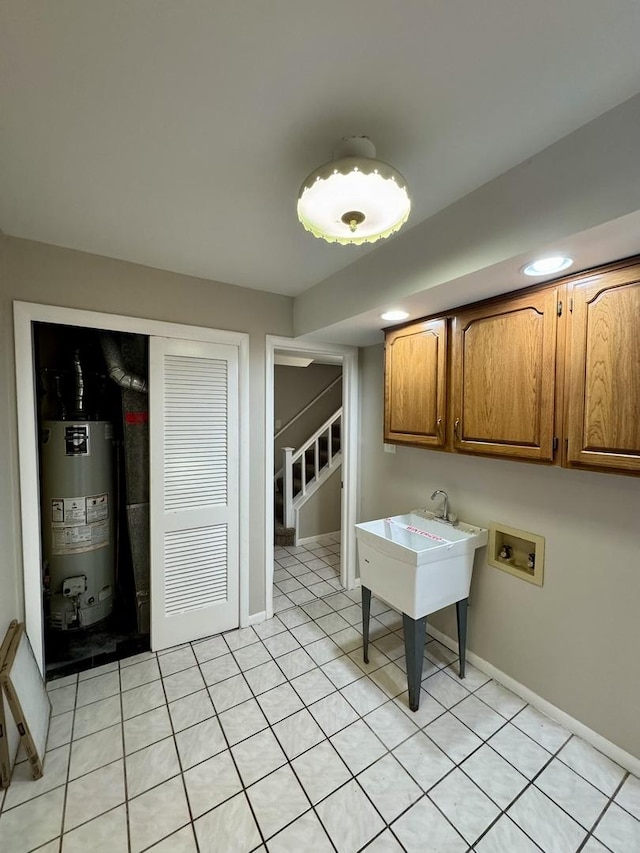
(503, 374)
(516, 379)
(415, 378)
(603, 371)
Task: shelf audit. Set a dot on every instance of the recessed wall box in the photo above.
(517, 552)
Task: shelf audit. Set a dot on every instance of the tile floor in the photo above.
(303, 573)
(279, 738)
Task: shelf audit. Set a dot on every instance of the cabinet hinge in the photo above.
(555, 443)
(566, 445)
(571, 304)
(559, 308)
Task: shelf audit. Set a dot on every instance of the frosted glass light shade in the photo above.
(353, 200)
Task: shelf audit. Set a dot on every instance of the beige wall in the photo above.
(35, 272)
(321, 513)
(575, 640)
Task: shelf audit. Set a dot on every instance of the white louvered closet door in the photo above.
(193, 414)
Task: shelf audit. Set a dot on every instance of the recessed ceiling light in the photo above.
(547, 266)
(394, 316)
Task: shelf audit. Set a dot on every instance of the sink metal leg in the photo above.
(414, 638)
(461, 612)
(366, 610)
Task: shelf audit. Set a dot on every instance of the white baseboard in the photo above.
(255, 618)
(611, 750)
(317, 538)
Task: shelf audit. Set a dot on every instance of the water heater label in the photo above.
(79, 538)
(76, 440)
(97, 508)
(57, 509)
(69, 511)
(105, 593)
(81, 510)
(79, 524)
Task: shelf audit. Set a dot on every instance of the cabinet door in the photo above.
(603, 402)
(415, 376)
(504, 361)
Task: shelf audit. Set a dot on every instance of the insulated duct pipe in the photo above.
(116, 369)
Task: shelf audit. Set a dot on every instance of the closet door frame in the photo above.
(27, 313)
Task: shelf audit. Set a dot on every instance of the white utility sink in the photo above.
(416, 562)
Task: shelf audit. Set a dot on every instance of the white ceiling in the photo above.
(177, 134)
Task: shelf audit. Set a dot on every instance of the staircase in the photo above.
(304, 471)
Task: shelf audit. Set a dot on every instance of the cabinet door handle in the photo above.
(439, 426)
(456, 428)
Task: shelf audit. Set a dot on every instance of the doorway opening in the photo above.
(307, 398)
(93, 463)
(311, 471)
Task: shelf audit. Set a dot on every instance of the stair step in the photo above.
(284, 535)
(323, 443)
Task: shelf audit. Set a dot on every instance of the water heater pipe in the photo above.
(116, 369)
(77, 366)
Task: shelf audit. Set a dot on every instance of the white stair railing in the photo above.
(309, 485)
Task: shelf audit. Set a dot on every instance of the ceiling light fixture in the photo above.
(548, 266)
(394, 316)
(354, 198)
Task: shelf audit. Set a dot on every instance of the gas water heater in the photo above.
(78, 521)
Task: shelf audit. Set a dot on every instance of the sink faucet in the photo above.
(444, 513)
